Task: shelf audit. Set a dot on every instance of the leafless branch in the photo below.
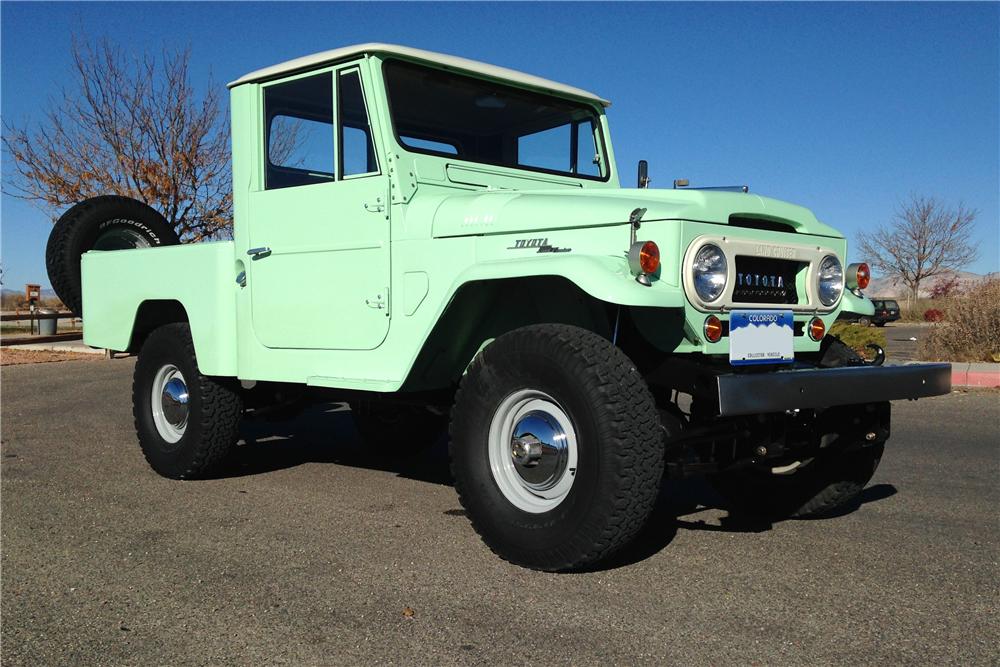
(132, 126)
(925, 238)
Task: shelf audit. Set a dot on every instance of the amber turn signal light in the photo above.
(713, 329)
(644, 257)
(858, 276)
(817, 329)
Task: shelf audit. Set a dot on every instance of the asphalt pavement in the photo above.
(898, 344)
(310, 550)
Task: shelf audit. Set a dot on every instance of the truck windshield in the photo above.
(448, 114)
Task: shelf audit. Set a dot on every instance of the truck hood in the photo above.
(506, 211)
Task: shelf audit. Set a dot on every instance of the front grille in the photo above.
(765, 280)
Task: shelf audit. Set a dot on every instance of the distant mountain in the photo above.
(45, 293)
(884, 286)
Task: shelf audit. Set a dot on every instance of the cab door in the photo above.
(318, 264)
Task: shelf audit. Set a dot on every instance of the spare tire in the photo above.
(108, 222)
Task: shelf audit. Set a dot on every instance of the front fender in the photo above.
(856, 303)
(603, 277)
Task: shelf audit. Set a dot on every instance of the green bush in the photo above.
(971, 330)
(857, 337)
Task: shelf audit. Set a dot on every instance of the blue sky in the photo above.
(844, 108)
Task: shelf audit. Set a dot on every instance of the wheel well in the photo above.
(152, 315)
(482, 310)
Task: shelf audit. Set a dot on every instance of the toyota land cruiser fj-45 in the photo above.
(445, 244)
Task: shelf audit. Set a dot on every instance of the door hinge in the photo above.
(379, 302)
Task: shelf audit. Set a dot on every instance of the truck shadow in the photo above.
(681, 498)
(326, 434)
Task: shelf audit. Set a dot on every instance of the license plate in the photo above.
(760, 337)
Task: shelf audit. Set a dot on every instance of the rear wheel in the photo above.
(100, 223)
(556, 445)
(186, 422)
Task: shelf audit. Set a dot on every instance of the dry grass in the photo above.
(12, 356)
(915, 312)
(857, 337)
(971, 327)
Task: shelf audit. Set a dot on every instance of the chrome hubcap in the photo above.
(170, 403)
(533, 451)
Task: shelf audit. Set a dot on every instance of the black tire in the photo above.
(397, 430)
(214, 407)
(864, 321)
(619, 446)
(827, 486)
(101, 223)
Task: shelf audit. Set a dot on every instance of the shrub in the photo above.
(913, 311)
(946, 286)
(857, 337)
(933, 315)
(971, 330)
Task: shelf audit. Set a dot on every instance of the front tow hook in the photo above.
(879, 355)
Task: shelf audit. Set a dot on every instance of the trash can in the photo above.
(47, 327)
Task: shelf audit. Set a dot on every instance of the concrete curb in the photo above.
(10, 341)
(975, 375)
(64, 346)
(965, 374)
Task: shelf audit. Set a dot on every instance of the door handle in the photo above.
(258, 253)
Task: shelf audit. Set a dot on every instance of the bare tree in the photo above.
(924, 239)
(133, 126)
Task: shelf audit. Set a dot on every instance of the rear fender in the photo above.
(125, 292)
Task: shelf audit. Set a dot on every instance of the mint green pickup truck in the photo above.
(446, 246)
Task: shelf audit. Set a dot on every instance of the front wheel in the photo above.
(827, 485)
(186, 422)
(864, 321)
(556, 446)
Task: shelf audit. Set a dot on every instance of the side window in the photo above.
(298, 119)
(357, 151)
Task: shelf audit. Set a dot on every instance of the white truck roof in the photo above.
(464, 64)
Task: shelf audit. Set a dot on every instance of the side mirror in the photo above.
(643, 174)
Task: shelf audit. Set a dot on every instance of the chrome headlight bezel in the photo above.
(710, 275)
(829, 280)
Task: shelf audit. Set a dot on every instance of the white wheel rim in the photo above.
(533, 451)
(169, 400)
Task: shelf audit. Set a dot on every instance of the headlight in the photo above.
(710, 272)
(831, 280)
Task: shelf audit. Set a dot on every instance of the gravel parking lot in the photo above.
(307, 550)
